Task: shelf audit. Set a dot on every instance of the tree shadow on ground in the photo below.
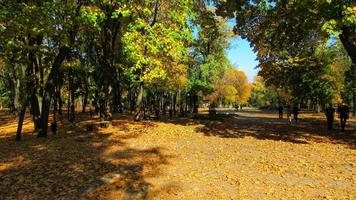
(74, 164)
(265, 126)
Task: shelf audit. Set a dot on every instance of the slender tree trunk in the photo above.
(85, 102)
(317, 106)
(55, 107)
(72, 108)
(164, 104)
(117, 107)
(180, 102)
(131, 100)
(32, 86)
(174, 103)
(354, 105)
(36, 114)
(72, 97)
(157, 101)
(60, 102)
(68, 107)
(21, 117)
(138, 113)
(195, 104)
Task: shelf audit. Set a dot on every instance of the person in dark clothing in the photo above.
(344, 115)
(280, 111)
(289, 113)
(295, 112)
(329, 112)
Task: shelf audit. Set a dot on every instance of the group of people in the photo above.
(290, 111)
(342, 111)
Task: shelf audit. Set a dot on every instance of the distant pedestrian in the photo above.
(289, 114)
(280, 111)
(295, 112)
(329, 112)
(343, 111)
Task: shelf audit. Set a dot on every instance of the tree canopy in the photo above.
(154, 56)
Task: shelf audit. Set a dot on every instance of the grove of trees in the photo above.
(159, 57)
(306, 49)
(115, 56)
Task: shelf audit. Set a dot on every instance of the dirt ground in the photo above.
(244, 155)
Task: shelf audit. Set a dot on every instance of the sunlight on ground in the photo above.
(251, 155)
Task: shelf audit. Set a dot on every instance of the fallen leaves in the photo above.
(178, 159)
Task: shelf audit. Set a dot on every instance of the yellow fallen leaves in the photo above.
(136, 159)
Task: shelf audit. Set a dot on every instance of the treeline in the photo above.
(312, 85)
(306, 49)
(156, 57)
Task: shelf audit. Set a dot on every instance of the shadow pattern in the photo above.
(75, 164)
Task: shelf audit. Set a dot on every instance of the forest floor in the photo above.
(244, 155)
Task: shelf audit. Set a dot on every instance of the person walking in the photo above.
(289, 114)
(295, 112)
(344, 115)
(329, 112)
(280, 111)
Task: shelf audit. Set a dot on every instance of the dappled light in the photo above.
(177, 99)
(221, 157)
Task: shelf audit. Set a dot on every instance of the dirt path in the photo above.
(251, 155)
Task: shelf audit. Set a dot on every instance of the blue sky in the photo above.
(241, 55)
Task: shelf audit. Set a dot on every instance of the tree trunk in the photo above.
(49, 90)
(60, 102)
(68, 107)
(72, 107)
(85, 102)
(195, 104)
(36, 114)
(72, 98)
(32, 86)
(347, 38)
(164, 104)
(49, 87)
(138, 113)
(317, 106)
(117, 107)
(180, 102)
(55, 107)
(354, 105)
(104, 102)
(21, 117)
(174, 103)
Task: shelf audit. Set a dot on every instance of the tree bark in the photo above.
(49, 90)
(85, 102)
(195, 104)
(36, 114)
(21, 116)
(174, 103)
(49, 87)
(347, 38)
(138, 113)
(72, 105)
(60, 102)
(354, 105)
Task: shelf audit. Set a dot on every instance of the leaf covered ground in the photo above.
(247, 155)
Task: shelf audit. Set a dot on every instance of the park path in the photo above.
(246, 155)
(251, 156)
